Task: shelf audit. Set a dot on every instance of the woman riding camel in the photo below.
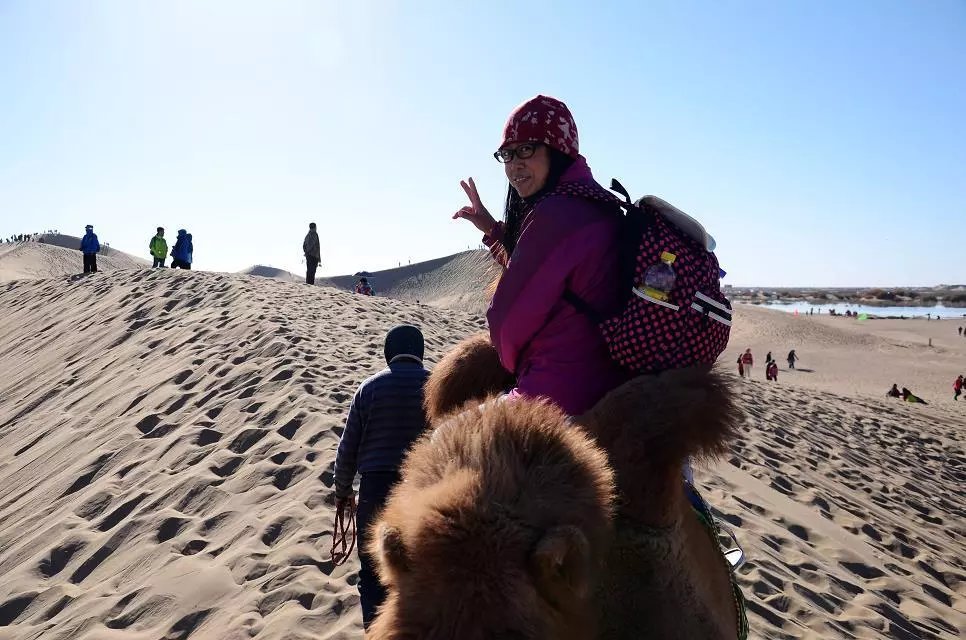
(549, 243)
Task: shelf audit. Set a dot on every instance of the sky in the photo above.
(820, 143)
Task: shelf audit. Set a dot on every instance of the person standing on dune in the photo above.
(179, 252)
(159, 249)
(957, 387)
(313, 253)
(90, 247)
(385, 418)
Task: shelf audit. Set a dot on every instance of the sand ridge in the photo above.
(31, 260)
(166, 443)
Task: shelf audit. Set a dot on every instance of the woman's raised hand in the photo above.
(475, 212)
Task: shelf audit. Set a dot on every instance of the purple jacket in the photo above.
(555, 351)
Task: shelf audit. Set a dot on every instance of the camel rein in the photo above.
(343, 533)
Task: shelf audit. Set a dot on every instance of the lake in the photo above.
(842, 307)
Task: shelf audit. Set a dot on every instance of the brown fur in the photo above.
(651, 424)
(663, 568)
(492, 534)
(496, 530)
(470, 372)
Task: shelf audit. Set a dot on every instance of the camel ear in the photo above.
(392, 550)
(560, 565)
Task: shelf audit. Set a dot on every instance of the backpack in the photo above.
(692, 323)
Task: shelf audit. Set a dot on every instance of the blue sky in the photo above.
(821, 143)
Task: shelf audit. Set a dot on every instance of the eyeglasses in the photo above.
(523, 152)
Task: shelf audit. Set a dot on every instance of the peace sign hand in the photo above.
(475, 212)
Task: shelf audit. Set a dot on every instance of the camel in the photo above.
(514, 521)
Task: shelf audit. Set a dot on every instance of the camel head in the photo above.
(496, 531)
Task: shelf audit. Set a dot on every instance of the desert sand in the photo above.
(30, 260)
(167, 440)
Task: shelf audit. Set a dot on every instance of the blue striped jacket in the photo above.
(385, 418)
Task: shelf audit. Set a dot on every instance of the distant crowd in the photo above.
(746, 363)
(25, 237)
(182, 253)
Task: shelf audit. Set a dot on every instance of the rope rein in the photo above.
(343, 533)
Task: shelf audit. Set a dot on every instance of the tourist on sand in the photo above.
(385, 418)
(792, 359)
(313, 253)
(894, 392)
(548, 242)
(159, 249)
(190, 258)
(768, 357)
(771, 371)
(179, 253)
(90, 247)
(960, 331)
(957, 387)
(748, 361)
(741, 368)
(909, 396)
(363, 288)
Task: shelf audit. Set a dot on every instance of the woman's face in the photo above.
(527, 175)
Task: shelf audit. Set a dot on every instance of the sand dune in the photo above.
(29, 260)
(165, 446)
(458, 281)
(853, 358)
(167, 437)
(271, 272)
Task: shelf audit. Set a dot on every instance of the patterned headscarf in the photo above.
(543, 119)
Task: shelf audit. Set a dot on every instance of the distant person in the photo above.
(909, 396)
(159, 249)
(741, 368)
(90, 247)
(179, 253)
(960, 331)
(313, 253)
(768, 358)
(957, 388)
(792, 359)
(363, 288)
(191, 250)
(771, 371)
(894, 392)
(385, 418)
(747, 361)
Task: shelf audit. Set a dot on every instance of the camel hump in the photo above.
(669, 416)
(469, 372)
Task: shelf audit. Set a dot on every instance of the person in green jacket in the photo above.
(159, 248)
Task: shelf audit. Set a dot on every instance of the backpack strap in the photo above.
(582, 306)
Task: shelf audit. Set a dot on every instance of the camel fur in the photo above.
(496, 488)
(496, 530)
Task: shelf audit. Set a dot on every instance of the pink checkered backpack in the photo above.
(672, 313)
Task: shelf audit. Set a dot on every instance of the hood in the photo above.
(404, 340)
(181, 233)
